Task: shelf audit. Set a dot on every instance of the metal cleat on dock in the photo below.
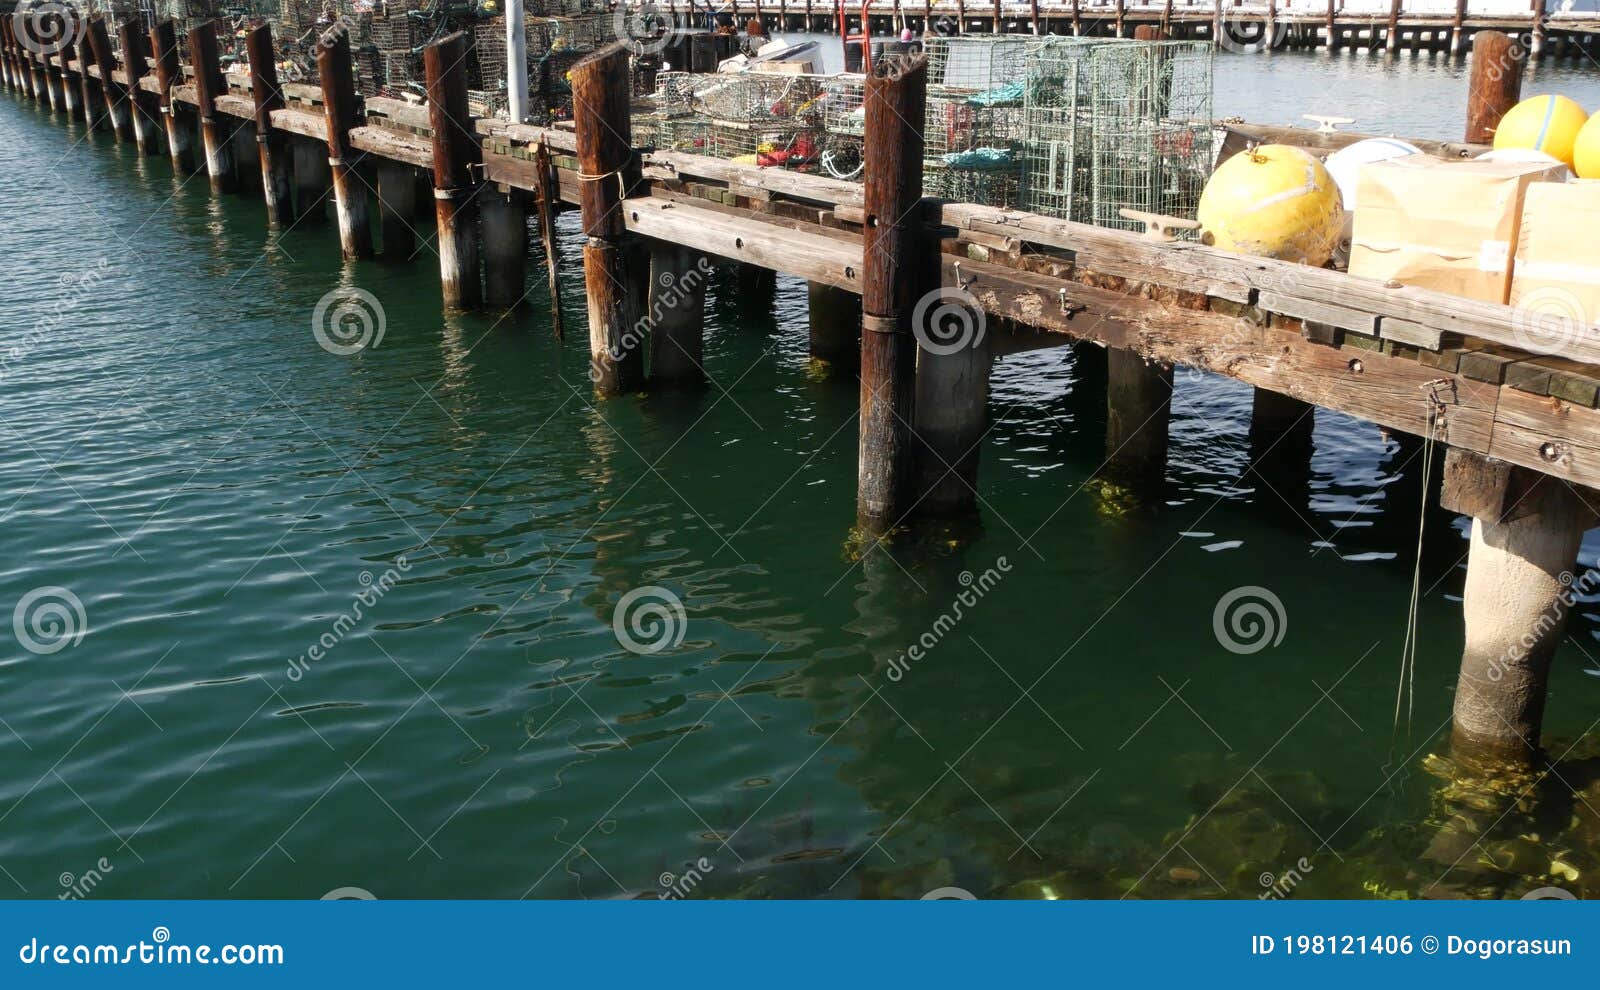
(1157, 226)
(1328, 125)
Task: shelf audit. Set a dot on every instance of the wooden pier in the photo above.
(1259, 25)
(1521, 429)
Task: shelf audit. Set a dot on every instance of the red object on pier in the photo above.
(864, 38)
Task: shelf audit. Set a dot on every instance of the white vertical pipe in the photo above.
(516, 63)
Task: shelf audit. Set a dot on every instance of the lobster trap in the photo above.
(975, 124)
(1058, 121)
(1152, 132)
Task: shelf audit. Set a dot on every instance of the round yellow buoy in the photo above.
(1274, 201)
(1586, 150)
(1543, 123)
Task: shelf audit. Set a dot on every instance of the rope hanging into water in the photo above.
(1406, 688)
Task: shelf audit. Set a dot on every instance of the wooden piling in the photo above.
(1281, 446)
(897, 267)
(455, 152)
(1520, 587)
(339, 109)
(208, 85)
(397, 208)
(614, 270)
(53, 79)
(835, 327)
(1495, 84)
(1391, 38)
(1331, 42)
(118, 109)
(1456, 24)
(549, 201)
(94, 103)
(677, 314)
(503, 224)
(169, 71)
(951, 417)
(1539, 29)
(1138, 410)
(312, 181)
(71, 85)
(146, 128)
(8, 65)
(277, 175)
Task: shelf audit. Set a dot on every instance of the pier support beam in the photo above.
(504, 227)
(277, 175)
(835, 318)
(339, 104)
(94, 103)
(146, 129)
(455, 151)
(169, 71)
(677, 314)
(951, 416)
(614, 268)
(1495, 84)
(53, 81)
(311, 180)
(897, 266)
(1138, 408)
(397, 208)
(1281, 445)
(208, 85)
(1526, 530)
(118, 109)
(71, 85)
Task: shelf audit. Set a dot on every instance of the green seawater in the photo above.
(302, 622)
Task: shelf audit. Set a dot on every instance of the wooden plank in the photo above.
(1548, 435)
(385, 143)
(235, 105)
(311, 125)
(813, 257)
(1343, 317)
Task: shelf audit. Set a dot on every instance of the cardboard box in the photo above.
(1557, 270)
(1443, 225)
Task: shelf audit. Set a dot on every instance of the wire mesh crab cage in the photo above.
(1152, 136)
(844, 125)
(975, 124)
(1058, 117)
(762, 118)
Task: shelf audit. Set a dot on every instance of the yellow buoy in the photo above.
(1543, 123)
(1274, 201)
(1586, 150)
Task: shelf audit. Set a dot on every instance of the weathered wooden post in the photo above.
(952, 407)
(1456, 25)
(503, 224)
(1495, 84)
(8, 53)
(71, 85)
(1521, 584)
(1033, 15)
(1281, 446)
(1540, 27)
(397, 207)
(1077, 25)
(134, 68)
(999, 25)
(94, 103)
(1121, 11)
(118, 108)
(169, 72)
(677, 314)
(208, 85)
(835, 324)
(455, 151)
(614, 269)
(1391, 38)
(896, 266)
(1138, 410)
(52, 71)
(339, 109)
(549, 202)
(312, 180)
(277, 176)
(1331, 42)
(1270, 27)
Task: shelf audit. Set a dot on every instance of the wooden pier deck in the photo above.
(1459, 372)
